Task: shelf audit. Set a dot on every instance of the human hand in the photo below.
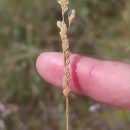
(104, 81)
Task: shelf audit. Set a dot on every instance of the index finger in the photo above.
(104, 81)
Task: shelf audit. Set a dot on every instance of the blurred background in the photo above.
(27, 28)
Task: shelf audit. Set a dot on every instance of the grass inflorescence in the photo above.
(64, 29)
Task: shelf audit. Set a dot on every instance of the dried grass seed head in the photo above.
(64, 5)
(72, 16)
(63, 29)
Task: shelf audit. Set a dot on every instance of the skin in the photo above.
(104, 81)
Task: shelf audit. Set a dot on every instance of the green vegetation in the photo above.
(27, 28)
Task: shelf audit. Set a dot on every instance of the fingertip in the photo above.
(39, 63)
(42, 61)
(49, 66)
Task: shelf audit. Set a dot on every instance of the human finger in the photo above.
(104, 81)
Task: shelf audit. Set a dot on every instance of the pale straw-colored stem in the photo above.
(67, 113)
